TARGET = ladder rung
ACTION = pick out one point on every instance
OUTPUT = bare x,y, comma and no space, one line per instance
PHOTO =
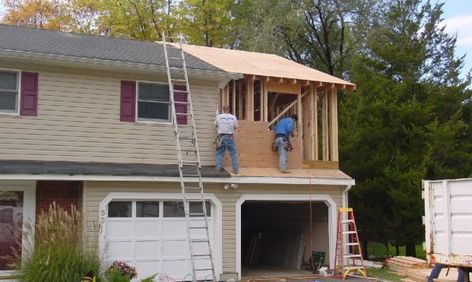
190,175
351,244
349,232
202,269
355,267
199,240
198,227
195,201
196,214
192,187
352,256
175,58
187,137
183,114
201,255
348,221
187,163
178,79
176,68
180,91
180,102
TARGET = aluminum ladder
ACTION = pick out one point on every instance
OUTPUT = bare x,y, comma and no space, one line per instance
189,162
348,261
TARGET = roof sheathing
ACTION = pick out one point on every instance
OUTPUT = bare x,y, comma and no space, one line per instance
259,64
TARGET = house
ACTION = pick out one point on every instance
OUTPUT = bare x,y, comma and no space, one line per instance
85,120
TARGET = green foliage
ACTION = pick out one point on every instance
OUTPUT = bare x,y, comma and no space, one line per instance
57,254
385,274
405,123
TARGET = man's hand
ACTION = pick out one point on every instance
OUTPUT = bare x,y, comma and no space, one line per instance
294,133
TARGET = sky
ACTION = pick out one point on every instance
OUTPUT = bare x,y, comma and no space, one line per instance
457,18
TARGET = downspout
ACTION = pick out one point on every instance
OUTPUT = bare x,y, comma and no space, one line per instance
345,202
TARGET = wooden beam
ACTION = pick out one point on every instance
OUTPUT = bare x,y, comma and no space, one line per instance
261,100
334,125
265,94
240,99
300,115
234,98
325,125
320,165
250,99
267,78
285,88
316,84
281,80
315,124
293,81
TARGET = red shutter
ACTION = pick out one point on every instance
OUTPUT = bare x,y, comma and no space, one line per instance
180,95
128,101
29,94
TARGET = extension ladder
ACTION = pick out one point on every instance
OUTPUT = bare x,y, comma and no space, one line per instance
348,260
189,163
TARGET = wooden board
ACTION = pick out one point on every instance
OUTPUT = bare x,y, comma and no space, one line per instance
287,88
254,146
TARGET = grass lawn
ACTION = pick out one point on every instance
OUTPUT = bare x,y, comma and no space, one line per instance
385,274
379,250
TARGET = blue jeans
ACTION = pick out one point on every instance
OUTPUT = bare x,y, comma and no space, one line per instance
437,270
281,143
227,142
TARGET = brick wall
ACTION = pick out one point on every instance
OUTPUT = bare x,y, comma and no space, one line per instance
64,193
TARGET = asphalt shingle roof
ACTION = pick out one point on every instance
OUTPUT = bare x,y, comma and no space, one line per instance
14,38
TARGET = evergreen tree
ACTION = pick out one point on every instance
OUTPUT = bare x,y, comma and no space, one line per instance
410,100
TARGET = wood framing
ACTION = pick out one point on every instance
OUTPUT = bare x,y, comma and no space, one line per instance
314,100
234,98
325,125
333,124
320,165
287,88
250,99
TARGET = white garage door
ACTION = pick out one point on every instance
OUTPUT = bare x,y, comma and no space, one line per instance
152,236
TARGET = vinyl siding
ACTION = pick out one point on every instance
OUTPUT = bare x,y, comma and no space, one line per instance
79,120
95,192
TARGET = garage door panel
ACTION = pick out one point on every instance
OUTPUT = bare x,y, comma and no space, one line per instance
174,228
147,249
120,229
175,268
146,229
120,249
147,268
174,248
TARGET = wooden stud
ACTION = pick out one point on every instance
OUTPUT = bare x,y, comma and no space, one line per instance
281,80
240,99
261,100
265,95
267,78
315,123
250,99
294,81
285,110
234,97
334,125
317,84
325,125
300,115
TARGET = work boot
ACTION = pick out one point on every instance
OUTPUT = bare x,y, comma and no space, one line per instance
218,169
284,170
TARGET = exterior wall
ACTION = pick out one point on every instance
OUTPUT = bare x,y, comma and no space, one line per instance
63,193
79,120
95,192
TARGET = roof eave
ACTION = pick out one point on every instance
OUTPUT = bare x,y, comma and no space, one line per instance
108,65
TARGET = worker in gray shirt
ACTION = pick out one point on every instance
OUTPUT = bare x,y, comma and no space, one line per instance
226,123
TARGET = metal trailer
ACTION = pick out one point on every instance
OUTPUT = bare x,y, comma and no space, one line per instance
448,222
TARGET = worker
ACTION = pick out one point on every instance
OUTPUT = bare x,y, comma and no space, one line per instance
226,124
437,270
283,130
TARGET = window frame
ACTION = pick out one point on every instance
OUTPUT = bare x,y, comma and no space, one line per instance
149,120
18,93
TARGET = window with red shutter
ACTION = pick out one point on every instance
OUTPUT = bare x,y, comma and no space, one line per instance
29,94
128,101
9,92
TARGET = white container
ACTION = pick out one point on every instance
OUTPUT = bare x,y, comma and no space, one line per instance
448,221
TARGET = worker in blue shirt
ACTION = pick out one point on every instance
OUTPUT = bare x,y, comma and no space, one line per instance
283,130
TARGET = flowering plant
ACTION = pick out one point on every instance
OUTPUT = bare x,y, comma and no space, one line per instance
123,268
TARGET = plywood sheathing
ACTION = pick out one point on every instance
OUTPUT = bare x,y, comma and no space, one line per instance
261,64
254,145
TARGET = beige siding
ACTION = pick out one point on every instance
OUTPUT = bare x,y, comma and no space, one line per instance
79,120
95,192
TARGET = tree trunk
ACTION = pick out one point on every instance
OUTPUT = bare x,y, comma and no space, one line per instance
397,249
411,249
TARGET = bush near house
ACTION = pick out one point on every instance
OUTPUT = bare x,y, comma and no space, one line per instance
58,253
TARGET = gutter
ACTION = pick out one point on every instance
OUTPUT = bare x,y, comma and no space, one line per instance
232,179
109,65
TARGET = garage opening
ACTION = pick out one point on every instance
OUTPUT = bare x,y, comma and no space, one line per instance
278,239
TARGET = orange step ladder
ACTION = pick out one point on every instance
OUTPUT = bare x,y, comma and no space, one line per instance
348,260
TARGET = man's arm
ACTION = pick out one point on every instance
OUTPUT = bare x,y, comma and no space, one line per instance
215,123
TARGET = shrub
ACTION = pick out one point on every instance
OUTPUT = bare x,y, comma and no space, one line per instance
58,254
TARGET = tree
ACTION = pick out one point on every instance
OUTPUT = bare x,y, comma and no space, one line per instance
206,22
48,14
410,99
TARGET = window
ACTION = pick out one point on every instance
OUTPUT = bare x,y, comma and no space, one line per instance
153,102
9,92
119,209
174,209
197,207
11,223
147,209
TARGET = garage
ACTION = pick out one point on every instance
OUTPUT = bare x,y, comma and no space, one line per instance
276,236
150,234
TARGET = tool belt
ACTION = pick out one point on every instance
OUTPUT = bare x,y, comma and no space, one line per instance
287,147
219,139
